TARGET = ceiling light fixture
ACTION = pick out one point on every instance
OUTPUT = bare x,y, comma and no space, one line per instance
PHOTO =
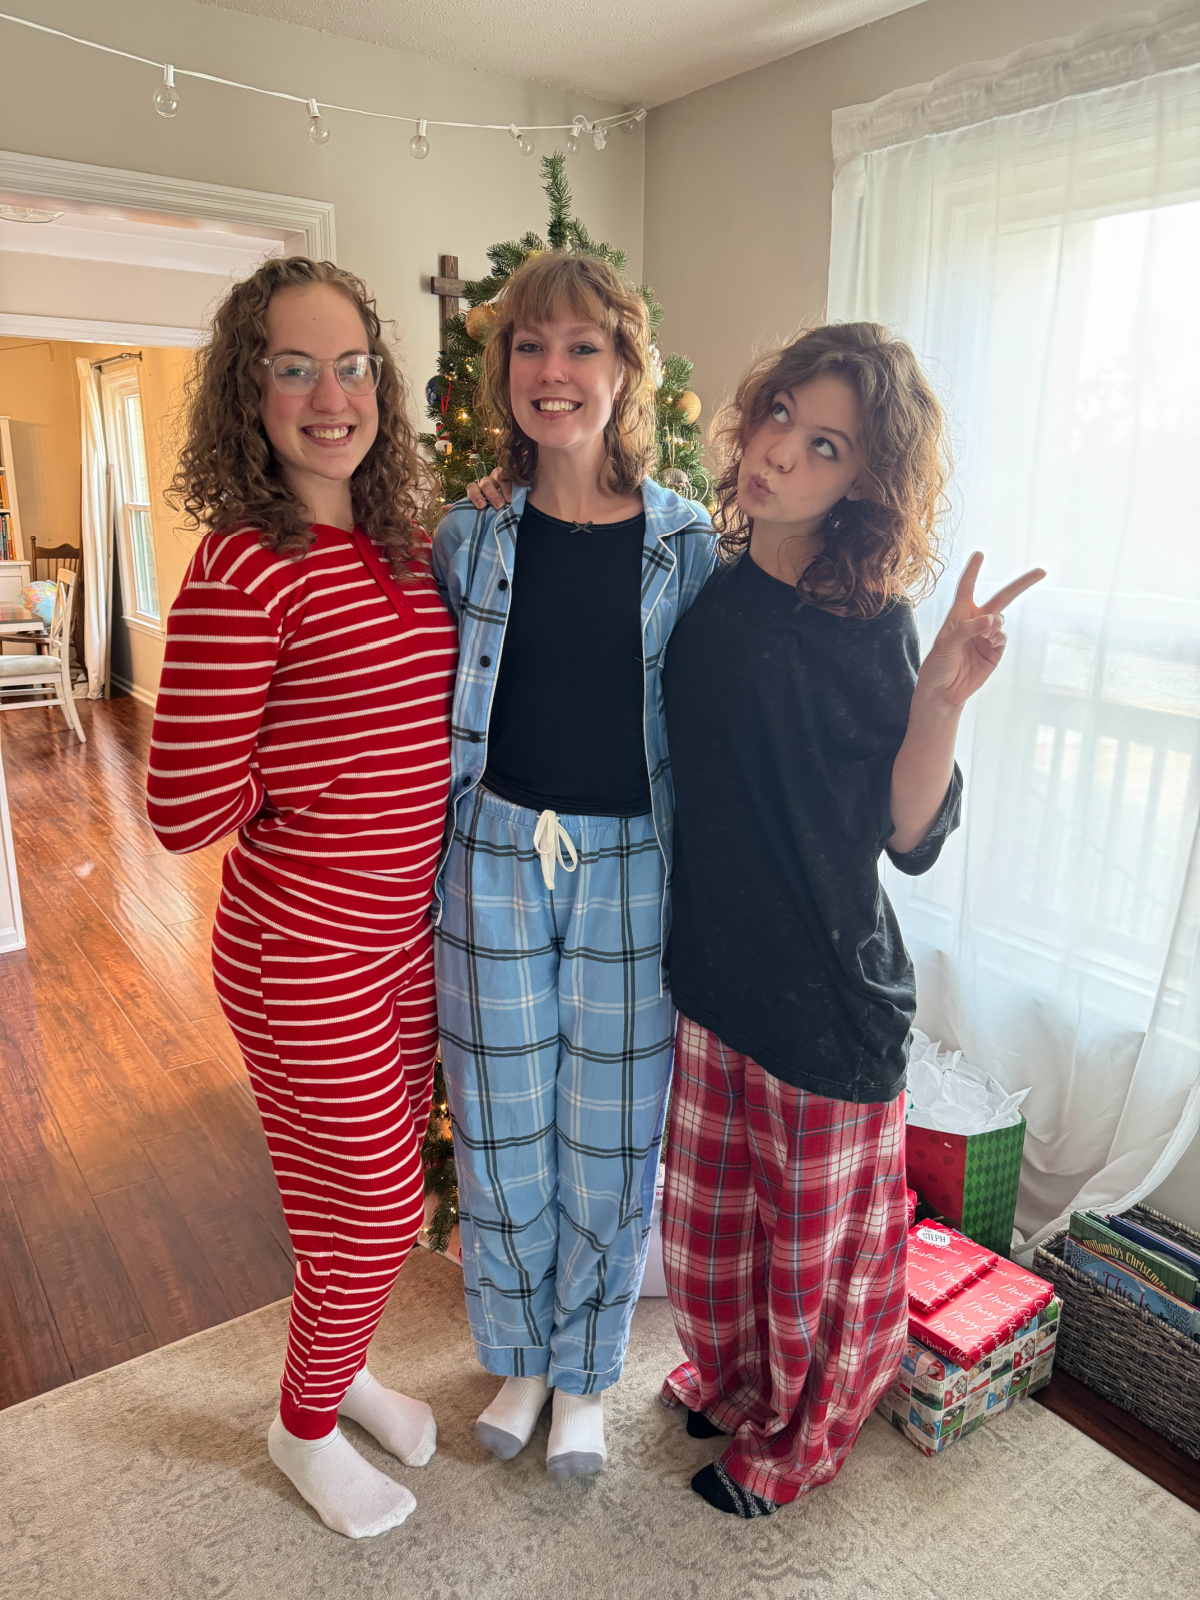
28,214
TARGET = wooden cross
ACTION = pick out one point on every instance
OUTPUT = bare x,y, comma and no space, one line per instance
449,287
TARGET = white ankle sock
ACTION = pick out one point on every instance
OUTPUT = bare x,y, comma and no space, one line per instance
576,1445
404,1426
344,1490
504,1428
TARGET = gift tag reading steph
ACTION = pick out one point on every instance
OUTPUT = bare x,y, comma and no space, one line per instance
934,1236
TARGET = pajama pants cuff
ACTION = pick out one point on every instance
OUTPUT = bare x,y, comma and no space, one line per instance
534,1361
302,1423
760,1480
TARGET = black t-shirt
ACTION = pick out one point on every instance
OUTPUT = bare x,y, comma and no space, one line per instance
783,723
566,727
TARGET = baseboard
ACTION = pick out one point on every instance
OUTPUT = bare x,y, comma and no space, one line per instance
135,691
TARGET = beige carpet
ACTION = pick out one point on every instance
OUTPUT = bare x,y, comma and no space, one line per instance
151,1482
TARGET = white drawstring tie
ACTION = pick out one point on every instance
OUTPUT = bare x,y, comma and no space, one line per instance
549,836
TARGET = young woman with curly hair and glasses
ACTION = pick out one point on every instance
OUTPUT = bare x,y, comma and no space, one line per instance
304,703
806,738
556,1025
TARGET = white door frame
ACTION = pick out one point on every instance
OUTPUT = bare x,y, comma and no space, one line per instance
47,178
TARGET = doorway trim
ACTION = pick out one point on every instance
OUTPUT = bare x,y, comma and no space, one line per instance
77,330
179,197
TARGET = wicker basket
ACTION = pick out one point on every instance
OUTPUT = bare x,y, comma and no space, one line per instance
1135,1360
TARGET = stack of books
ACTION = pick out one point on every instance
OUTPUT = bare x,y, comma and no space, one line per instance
7,553
1139,1264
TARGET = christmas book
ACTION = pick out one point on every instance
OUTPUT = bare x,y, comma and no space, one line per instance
1156,1267
941,1262
1189,1260
1121,1280
984,1315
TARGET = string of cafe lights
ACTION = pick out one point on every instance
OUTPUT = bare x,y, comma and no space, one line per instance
167,103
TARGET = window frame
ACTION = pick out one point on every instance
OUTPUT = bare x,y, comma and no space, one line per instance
117,388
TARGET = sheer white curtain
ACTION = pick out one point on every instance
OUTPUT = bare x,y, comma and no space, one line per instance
1033,228
96,524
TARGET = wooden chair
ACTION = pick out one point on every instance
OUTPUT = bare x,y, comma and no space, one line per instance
49,673
61,558
54,559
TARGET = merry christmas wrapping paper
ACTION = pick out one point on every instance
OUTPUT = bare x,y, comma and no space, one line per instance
982,1316
941,1262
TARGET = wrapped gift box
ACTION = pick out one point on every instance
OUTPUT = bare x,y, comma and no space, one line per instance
983,1316
934,1401
941,1262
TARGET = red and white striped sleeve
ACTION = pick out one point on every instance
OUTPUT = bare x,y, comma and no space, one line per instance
221,651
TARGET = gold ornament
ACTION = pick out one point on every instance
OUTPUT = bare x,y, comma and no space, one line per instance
689,405
480,320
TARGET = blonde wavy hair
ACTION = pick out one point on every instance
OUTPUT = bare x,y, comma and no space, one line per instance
544,290
227,476
885,545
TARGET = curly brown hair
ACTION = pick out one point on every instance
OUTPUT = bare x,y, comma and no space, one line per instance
227,476
885,545
541,291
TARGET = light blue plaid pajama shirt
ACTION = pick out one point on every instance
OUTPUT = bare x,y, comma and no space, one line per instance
555,1021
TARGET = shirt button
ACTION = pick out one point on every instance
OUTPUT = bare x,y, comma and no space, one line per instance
485,661
503,584
475,738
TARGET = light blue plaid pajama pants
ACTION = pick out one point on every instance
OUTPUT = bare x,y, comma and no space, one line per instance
556,1050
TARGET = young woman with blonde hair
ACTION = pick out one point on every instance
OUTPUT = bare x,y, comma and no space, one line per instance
556,1026
304,702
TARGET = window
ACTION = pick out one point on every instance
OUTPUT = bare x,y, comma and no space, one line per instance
126,440
1032,227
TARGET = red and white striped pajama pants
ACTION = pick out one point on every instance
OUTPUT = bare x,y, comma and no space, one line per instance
339,1045
784,1229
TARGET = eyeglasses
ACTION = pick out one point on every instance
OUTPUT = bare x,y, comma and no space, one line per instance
301,374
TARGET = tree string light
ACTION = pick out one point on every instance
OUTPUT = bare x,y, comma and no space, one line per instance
166,103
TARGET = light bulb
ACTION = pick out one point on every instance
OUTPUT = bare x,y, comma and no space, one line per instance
599,138
638,116
418,145
166,100
525,145
572,144
317,131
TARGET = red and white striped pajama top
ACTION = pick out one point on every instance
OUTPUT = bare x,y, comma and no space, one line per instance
306,704
296,707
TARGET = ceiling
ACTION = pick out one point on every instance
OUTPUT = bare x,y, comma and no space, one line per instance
92,233
635,52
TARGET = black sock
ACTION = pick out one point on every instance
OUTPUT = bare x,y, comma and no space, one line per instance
716,1486
699,1427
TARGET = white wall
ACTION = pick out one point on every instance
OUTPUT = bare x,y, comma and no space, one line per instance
105,291
394,215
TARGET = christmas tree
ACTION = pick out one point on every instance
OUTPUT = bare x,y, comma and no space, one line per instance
462,443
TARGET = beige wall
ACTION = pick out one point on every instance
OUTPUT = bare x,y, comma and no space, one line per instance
739,176
39,390
394,215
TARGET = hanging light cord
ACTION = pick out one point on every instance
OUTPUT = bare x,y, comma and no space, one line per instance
617,120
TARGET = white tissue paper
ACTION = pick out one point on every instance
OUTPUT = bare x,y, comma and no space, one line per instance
949,1095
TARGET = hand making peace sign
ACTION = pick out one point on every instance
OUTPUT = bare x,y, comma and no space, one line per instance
971,641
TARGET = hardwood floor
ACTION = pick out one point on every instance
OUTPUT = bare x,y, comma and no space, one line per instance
137,1203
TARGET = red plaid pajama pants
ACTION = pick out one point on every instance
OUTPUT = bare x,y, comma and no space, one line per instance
784,1226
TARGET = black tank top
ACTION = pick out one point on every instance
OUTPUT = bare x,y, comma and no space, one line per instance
566,728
